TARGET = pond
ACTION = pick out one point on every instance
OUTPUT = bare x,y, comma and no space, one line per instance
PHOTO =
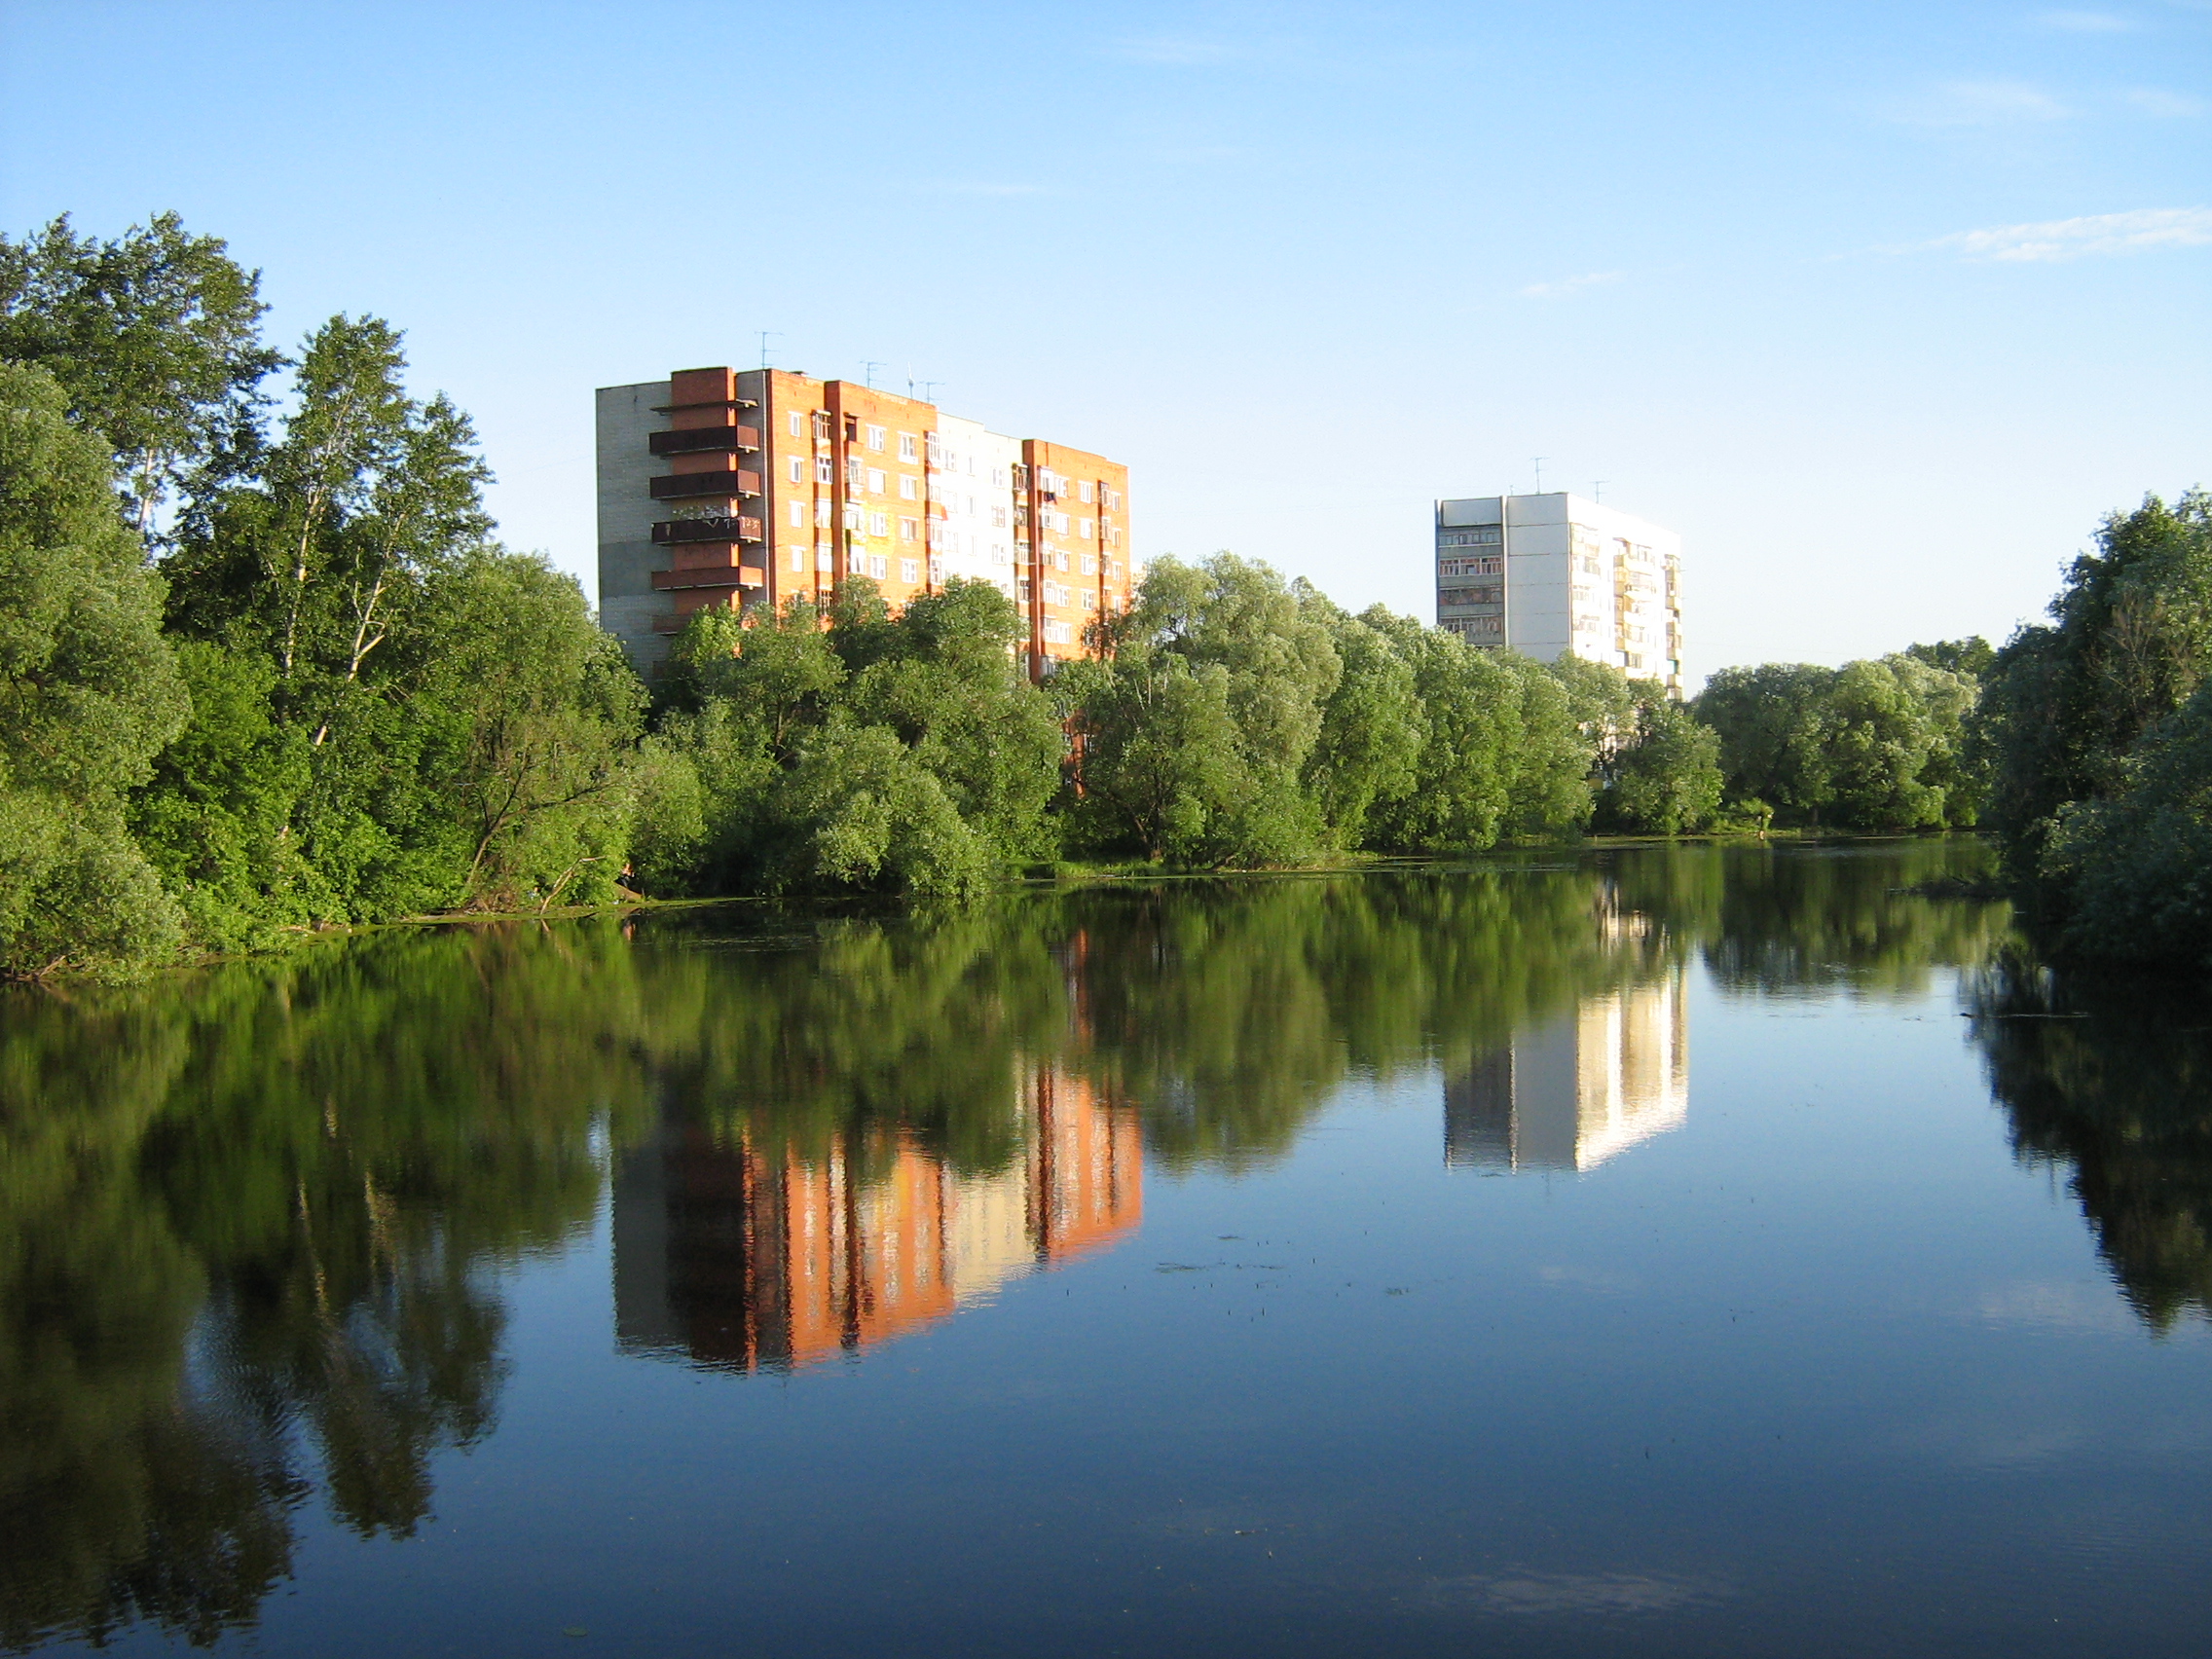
1639,1251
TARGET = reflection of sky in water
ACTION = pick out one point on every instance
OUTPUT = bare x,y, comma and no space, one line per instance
1175,1334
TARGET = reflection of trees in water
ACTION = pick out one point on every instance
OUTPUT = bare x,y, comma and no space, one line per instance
1841,918
249,1220
2111,1079
245,1230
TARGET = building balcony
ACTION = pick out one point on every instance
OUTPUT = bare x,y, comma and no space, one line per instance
730,576
695,440
723,527
681,484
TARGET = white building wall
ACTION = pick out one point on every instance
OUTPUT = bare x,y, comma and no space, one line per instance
1574,576
627,511
972,476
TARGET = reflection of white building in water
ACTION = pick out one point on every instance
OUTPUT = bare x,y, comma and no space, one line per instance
1578,1090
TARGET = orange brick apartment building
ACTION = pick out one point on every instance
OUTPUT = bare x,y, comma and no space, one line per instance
740,488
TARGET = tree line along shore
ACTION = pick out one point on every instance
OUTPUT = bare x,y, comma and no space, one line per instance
265,668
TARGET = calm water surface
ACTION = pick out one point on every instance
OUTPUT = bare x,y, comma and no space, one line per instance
1654,1252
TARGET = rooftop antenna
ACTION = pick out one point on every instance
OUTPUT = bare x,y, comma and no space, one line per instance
766,335
867,373
928,390
1539,488
1598,489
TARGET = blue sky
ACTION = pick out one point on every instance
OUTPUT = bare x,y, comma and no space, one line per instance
1880,305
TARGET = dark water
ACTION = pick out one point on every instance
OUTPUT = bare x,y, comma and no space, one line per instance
1670,1252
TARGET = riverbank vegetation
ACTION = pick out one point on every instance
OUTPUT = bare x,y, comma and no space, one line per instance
265,668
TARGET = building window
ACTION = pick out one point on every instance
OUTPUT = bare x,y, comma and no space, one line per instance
879,524
1484,535
936,570
998,553
876,483
909,486
825,470
1058,633
796,468
798,558
1023,584
906,450
825,559
821,426
909,530
910,569
1083,528
798,515
998,518
855,519
1083,491
1090,602
1060,559
854,472
879,565
1091,564
795,423
875,438
822,515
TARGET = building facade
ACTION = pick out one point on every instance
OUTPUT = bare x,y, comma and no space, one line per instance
733,488
1554,576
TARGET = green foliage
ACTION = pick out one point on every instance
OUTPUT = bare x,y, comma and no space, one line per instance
851,750
1972,657
1198,723
1666,774
154,337
1371,728
88,694
1501,752
2129,641
400,717
1874,744
2135,865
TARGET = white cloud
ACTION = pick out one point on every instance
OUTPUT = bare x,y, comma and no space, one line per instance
979,187
2087,23
1171,50
1980,103
2053,239
2172,105
1566,286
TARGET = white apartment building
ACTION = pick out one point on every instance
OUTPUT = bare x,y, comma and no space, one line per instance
971,471
1554,575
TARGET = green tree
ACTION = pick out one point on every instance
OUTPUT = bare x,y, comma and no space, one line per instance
1461,796
2129,641
1664,778
154,337
2133,867
88,694
1370,727
1229,654
1772,722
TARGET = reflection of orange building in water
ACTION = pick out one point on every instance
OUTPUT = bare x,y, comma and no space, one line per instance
736,1256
